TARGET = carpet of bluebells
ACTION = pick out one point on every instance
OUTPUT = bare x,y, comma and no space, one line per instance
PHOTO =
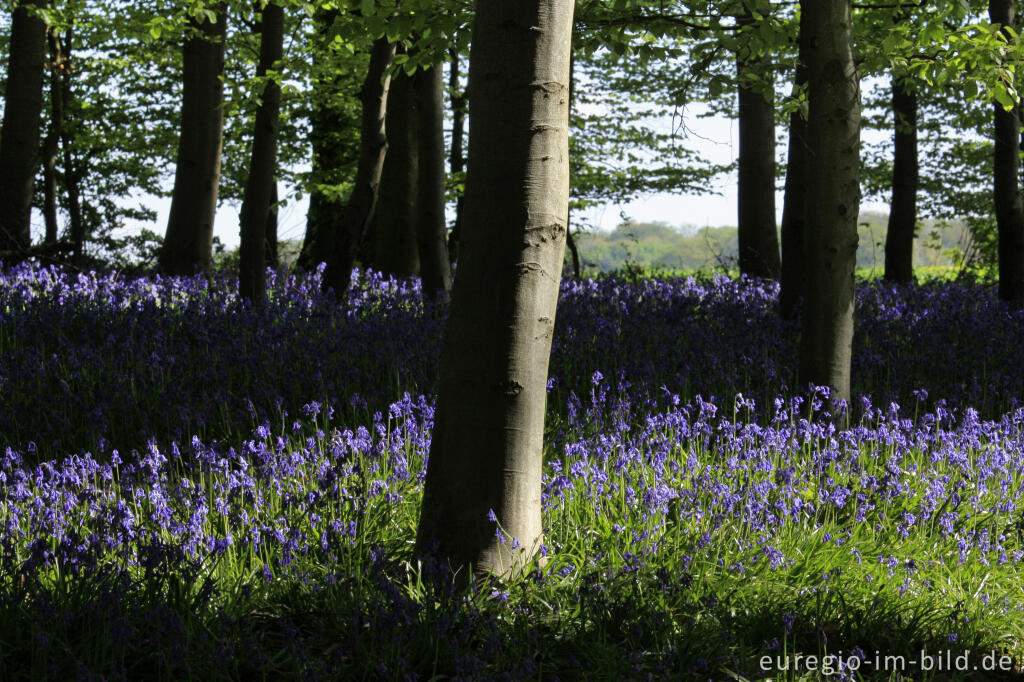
194,488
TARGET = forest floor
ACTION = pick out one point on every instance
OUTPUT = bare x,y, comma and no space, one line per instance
193,488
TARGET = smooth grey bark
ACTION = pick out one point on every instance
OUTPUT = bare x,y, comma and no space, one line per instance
758,239
395,224
486,452
19,135
259,186
899,237
1005,188
188,243
373,145
833,197
428,90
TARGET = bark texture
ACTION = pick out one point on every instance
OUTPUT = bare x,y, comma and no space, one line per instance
373,145
486,452
428,87
899,237
397,243
833,201
758,239
1005,189
19,136
259,186
188,244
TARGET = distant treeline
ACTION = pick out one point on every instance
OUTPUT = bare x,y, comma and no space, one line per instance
663,246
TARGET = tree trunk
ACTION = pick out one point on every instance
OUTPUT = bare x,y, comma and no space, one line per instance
188,244
19,136
259,187
833,201
486,452
73,171
73,186
457,160
794,209
1005,190
397,245
58,63
758,239
899,238
273,260
373,146
324,211
428,89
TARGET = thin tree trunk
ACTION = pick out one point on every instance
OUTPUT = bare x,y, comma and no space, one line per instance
51,145
397,244
73,186
794,204
428,89
373,146
570,241
324,211
486,451
73,171
457,160
833,189
19,136
272,257
188,244
899,238
259,187
758,239
1005,189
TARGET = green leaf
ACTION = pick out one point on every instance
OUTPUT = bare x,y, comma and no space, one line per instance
1000,95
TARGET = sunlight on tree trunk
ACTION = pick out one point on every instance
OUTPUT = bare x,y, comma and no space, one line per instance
481,505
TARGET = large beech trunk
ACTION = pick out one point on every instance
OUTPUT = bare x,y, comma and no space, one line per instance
428,88
1005,189
833,197
19,136
259,187
486,452
758,239
395,224
899,237
188,244
373,146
